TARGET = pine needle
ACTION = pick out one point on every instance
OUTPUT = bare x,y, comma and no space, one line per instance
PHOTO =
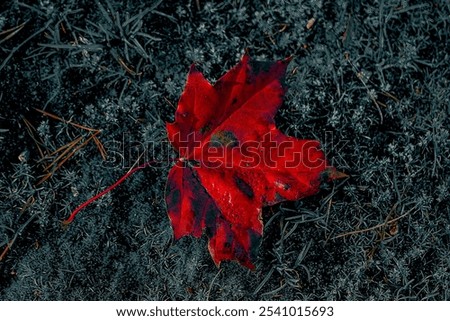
68,150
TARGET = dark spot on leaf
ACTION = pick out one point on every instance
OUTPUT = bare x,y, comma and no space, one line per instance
234,101
211,219
193,163
173,198
223,138
278,197
205,128
227,245
197,207
244,187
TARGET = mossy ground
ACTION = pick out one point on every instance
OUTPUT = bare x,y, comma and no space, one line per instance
371,81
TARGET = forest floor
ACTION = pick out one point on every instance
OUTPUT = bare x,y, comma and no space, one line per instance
86,86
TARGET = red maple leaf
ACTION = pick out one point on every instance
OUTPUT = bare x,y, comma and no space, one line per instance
233,160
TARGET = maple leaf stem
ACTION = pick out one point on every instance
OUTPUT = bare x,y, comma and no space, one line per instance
108,189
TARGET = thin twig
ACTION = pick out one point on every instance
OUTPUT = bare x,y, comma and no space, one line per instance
96,197
371,228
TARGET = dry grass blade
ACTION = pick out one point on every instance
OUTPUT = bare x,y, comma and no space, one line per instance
30,201
31,130
389,95
20,230
170,103
365,81
382,225
12,31
128,69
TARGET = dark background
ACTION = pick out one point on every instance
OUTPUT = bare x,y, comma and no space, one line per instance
371,81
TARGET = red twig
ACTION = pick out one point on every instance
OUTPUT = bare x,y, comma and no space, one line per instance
110,188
